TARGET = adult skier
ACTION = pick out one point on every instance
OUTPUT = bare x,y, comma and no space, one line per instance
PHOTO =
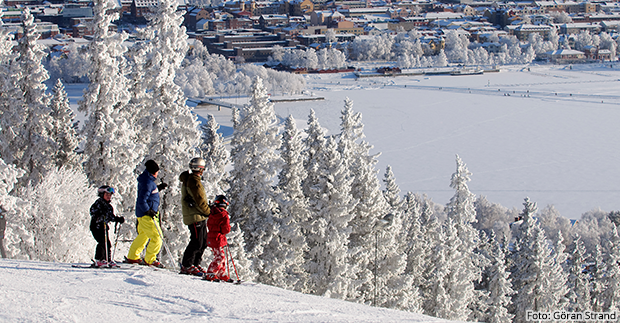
195,208
219,226
101,213
147,212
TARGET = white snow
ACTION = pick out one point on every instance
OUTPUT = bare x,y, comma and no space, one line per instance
32,291
544,131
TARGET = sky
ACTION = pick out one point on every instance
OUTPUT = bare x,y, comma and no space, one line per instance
32,291
547,132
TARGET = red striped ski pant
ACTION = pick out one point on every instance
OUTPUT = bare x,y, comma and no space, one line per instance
218,265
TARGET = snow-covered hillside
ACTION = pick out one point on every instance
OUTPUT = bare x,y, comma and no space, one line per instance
33,291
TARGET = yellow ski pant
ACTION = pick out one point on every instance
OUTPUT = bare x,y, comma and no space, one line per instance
148,229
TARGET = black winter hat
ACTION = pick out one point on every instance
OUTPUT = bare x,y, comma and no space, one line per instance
151,166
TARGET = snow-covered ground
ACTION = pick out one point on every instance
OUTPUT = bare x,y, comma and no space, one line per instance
33,291
545,132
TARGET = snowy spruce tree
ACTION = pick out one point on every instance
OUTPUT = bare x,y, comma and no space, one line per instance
31,147
167,126
216,157
63,131
7,98
462,212
110,150
371,207
255,166
611,293
538,278
327,187
499,285
293,213
451,287
578,281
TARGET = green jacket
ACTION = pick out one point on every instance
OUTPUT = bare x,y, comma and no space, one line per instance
192,186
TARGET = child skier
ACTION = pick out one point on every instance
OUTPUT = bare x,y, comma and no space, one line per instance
218,225
101,213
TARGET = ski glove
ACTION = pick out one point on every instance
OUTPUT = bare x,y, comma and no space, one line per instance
119,219
151,213
162,186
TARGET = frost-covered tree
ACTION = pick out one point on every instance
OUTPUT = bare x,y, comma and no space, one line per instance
8,119
216,157
456,47
371,207
451,289
240,263
440,60
17,240
59,222
71,65
598,273
611,294
168,128
460,209
327,187
499,285
538,278
63,131
255,166
111,152
578,281
294,213
31,147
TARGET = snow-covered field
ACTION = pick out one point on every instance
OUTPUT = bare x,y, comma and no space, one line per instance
33,291
545,132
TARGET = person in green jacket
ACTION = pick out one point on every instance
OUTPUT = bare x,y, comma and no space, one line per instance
195,208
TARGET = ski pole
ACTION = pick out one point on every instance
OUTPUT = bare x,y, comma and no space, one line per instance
116,231
107,245
161,235
233,262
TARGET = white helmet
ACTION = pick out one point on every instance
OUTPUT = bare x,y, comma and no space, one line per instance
197,164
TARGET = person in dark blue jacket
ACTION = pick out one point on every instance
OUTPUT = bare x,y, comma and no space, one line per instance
147,212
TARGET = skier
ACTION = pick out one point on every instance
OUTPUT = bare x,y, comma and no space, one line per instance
147,212
195,208
101,213
219,226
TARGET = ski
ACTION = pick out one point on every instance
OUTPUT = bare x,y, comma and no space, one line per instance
93,266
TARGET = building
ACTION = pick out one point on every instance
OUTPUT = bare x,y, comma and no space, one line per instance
523,31
249,46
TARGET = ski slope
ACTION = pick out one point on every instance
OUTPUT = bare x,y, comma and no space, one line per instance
32,291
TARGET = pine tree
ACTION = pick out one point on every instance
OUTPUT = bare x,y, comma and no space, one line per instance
462,212
31,145
63,131
110,148
578,281
255,166
371,206
598,280
539,280
499,286
611,294
451,287
327,188
7,88
294,212
216,157
169,129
